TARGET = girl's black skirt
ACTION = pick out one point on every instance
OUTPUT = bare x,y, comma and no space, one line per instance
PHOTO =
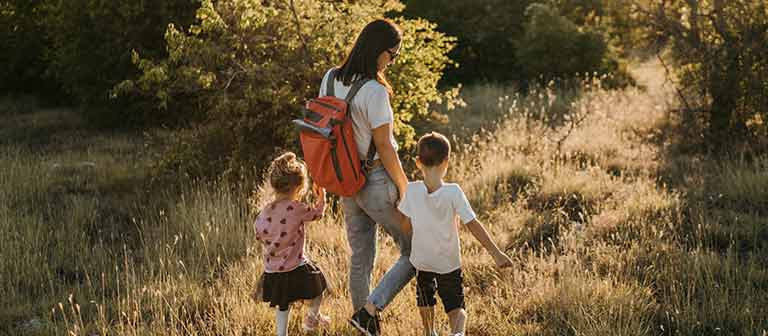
305,282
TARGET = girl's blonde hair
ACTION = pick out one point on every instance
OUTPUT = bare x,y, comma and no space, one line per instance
286,172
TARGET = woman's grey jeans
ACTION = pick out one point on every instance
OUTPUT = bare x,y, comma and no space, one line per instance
375,204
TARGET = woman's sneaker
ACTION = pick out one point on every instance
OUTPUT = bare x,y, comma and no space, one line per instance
365,323
313,322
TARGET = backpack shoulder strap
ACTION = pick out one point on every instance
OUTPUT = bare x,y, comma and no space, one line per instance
371,152
356,86
329,83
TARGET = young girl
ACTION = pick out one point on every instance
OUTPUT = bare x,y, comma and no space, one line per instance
289,276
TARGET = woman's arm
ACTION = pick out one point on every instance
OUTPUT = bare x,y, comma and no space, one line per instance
405,225
389,157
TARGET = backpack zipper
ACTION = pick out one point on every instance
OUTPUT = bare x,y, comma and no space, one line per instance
332,107
335,160
349,157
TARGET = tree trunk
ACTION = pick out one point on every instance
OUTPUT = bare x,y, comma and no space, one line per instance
724,91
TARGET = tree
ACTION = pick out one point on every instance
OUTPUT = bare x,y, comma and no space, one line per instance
554,47
242,71
718,48
614,17
493,34
22,58
89,44
486,31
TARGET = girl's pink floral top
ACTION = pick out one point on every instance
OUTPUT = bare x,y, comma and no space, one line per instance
280,227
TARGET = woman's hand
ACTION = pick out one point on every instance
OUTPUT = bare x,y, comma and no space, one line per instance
389,158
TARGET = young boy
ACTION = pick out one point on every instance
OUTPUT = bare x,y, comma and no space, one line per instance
431,208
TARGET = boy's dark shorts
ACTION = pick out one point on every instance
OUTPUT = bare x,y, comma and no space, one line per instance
448,286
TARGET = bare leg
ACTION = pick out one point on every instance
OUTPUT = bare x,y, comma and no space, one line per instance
314,305
457,318
314,318
371,308
428,319
282,321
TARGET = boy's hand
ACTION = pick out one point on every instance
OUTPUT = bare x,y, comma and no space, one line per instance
502,260
478,230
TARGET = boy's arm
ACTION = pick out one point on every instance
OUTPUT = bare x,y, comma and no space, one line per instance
478,230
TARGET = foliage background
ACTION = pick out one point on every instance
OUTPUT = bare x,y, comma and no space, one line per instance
79,49
503,41
629,210
718,50
242,72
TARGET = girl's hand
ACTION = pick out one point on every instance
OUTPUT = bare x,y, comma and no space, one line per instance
502,260
319,191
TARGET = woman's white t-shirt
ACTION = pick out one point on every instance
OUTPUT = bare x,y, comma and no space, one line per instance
435,241
370,109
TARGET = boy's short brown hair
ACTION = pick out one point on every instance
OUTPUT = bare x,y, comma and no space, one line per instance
433,149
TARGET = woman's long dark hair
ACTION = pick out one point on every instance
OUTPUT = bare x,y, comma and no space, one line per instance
361,62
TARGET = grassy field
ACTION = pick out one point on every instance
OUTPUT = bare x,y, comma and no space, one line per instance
615,228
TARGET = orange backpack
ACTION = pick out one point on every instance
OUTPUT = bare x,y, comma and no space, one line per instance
328,141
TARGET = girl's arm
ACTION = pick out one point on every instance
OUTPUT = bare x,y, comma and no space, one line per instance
317,212
389,157
478,230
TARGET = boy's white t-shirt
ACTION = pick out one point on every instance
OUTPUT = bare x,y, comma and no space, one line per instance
370,109
435,241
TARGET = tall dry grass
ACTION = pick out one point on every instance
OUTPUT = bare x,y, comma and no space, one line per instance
602,245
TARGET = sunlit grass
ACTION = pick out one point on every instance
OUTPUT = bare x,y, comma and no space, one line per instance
601,246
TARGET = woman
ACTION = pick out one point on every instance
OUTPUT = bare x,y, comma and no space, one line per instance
376,48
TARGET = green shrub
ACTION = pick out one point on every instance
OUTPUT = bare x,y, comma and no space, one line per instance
491,33
612,16
90,50
243,70
486,32
719,49
22,57
555,47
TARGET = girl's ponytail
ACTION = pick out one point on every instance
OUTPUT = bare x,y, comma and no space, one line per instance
286,172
